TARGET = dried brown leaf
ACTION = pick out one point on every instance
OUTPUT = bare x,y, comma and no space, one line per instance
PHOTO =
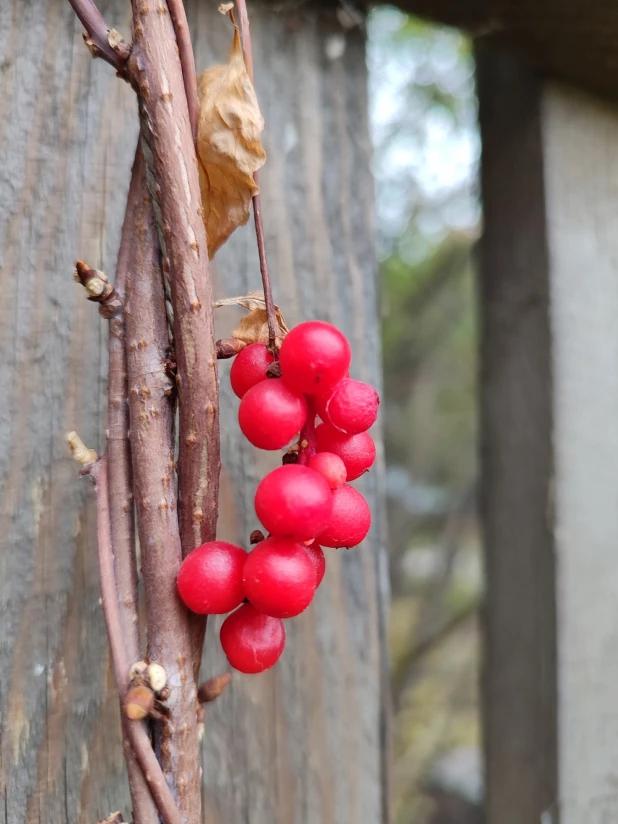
253,327
228,146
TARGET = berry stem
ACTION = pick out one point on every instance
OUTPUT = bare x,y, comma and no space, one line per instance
307,435
271,318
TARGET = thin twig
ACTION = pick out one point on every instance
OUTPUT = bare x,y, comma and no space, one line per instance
152,449
137,734
98,31
271,318
187,59
118,447
121,499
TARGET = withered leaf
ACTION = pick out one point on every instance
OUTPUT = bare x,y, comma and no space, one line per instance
228,146
253,327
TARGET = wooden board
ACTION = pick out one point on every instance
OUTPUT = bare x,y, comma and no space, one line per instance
305,743
580,140
519,678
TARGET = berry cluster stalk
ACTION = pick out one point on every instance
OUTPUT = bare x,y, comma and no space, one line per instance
271,318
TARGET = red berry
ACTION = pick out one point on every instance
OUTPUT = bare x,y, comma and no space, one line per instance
312,355
293,501
253,642
249,367
330,466
314,550
358,452
351,407
279,578
270,414
350,521
210,578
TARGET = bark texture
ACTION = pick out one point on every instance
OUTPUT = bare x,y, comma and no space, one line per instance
304,744
152,449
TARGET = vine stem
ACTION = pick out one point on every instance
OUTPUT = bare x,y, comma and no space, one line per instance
271,318
122,521
187,59
135,731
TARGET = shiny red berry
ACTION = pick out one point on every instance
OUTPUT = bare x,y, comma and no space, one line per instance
351,406
314,550
279,578
270,414
330,466
210,578
293,501
252,641
350,520
249,367
358,452
312,355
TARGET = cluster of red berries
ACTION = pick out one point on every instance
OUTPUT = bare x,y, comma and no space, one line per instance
303,505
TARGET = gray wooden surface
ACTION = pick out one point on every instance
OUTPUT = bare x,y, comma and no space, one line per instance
304,743
580,140
519,678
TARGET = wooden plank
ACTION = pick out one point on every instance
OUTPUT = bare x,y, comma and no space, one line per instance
581,172
305,743
519,680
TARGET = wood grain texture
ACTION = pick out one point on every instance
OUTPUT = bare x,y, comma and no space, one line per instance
581,169
567,40
305,743
519,683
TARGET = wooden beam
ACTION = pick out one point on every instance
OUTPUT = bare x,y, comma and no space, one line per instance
549,400
568,40
580,146
519,680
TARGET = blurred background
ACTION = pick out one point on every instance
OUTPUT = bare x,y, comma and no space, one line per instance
427,146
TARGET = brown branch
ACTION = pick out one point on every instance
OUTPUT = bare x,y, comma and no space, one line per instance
121,499
118,447
102,41
152,448
187,59
174,187
271,317
138,737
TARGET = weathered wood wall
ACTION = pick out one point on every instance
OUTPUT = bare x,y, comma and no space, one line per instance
304,743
